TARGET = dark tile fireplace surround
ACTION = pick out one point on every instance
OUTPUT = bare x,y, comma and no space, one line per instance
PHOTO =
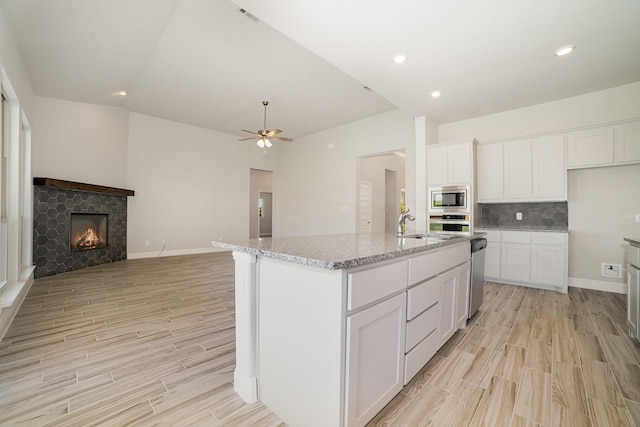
55,203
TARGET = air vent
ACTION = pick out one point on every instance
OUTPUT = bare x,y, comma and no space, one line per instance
248,15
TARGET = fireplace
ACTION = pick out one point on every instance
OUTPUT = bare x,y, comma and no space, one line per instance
88,231
77,225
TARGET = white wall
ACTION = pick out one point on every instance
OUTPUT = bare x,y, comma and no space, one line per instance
602,207
80,142
596,232
13,65
316,186
619,103
191,185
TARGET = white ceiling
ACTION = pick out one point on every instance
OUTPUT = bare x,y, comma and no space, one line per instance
204,63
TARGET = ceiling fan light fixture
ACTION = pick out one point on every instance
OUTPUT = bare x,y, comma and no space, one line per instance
268,143
260,143
399,59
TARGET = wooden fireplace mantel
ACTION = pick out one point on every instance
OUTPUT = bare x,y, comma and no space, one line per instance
70,185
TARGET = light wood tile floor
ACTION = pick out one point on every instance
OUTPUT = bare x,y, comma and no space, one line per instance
151,342
529,357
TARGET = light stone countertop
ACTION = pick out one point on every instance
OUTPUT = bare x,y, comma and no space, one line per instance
634,241
336,251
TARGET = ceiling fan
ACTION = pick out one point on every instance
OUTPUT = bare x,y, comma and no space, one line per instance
264,135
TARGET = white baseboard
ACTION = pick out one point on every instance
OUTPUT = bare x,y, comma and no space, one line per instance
598,285
155,254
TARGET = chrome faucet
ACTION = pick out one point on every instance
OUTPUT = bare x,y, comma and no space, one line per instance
401,219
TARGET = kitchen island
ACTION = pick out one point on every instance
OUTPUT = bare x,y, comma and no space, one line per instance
330,328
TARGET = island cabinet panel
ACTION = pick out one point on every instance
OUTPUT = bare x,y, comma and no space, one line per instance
463,283
422,297
301,324
367,286
425,266
447,325
375,358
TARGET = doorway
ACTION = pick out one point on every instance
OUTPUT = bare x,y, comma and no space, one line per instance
261,211
385,175
264,209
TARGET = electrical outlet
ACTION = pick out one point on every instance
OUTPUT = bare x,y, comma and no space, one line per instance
518,216
611,270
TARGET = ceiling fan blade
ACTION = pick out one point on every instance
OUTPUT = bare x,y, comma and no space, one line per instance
273,132
251,132
280,138
247,139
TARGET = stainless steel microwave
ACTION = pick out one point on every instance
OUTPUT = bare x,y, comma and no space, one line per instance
449,199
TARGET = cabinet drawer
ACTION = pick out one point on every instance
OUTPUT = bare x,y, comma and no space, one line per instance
421,326
422,297
367,286
426,266
419,356
548,238
516,237
633,255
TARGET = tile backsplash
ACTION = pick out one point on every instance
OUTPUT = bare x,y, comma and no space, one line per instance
543,216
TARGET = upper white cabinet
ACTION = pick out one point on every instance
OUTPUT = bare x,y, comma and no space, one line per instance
548,168
517,170
523,171
490,172
450,164
627,147
591,147
604,146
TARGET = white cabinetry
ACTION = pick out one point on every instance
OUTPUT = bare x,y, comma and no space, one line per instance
490,172
548,258
604,146
524,171
447,325
517,170
590,147
539,259
515,253
548,168
450,164
375,358
627,147
492,254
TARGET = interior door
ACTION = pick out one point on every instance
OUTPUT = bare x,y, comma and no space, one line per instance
265,208
364,222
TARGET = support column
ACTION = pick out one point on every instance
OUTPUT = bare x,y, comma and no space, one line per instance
245,375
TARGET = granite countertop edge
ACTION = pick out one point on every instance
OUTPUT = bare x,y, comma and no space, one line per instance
328,263
634,241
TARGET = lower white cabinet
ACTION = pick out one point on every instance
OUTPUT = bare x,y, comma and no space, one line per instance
375,358
447,326
514,261
532,258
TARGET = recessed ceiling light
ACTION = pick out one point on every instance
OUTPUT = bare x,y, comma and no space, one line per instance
435,94
123,93
399,59
565,50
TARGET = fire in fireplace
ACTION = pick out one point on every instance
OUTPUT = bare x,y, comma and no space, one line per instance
88,231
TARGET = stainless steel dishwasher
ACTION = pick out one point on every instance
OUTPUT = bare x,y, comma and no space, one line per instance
477,274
